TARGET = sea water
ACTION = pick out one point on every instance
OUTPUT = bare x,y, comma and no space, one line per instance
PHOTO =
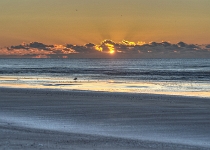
189,77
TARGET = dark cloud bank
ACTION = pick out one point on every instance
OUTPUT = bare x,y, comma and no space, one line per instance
107,49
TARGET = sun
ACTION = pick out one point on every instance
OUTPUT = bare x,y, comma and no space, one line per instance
111,51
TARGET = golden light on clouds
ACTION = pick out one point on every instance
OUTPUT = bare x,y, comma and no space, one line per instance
110,47
128,43
98,48
124,49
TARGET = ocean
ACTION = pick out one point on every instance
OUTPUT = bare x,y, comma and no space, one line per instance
186,77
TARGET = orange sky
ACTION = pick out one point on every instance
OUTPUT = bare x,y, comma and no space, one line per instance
84,21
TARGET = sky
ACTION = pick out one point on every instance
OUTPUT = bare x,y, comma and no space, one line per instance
79,22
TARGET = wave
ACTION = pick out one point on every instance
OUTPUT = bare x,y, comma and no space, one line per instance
199,75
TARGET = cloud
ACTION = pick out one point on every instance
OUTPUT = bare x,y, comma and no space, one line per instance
37,45
166,44
108,49
181,44
18,47
208,46
90,45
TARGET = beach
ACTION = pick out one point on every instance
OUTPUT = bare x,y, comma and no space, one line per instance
53,119
105,75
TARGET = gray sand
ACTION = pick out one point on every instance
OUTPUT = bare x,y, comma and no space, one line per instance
44,119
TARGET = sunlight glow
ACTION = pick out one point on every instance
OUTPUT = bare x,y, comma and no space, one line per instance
110,47
128,43
141,43
98,48
111,51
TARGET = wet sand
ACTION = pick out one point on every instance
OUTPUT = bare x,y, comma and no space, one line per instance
50,119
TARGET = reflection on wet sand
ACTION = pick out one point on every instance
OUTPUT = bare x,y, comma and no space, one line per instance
166,88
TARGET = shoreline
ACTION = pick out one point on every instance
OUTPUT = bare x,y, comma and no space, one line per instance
192,89
60,90
151,121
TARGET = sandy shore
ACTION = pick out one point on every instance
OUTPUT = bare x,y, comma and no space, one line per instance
47,119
